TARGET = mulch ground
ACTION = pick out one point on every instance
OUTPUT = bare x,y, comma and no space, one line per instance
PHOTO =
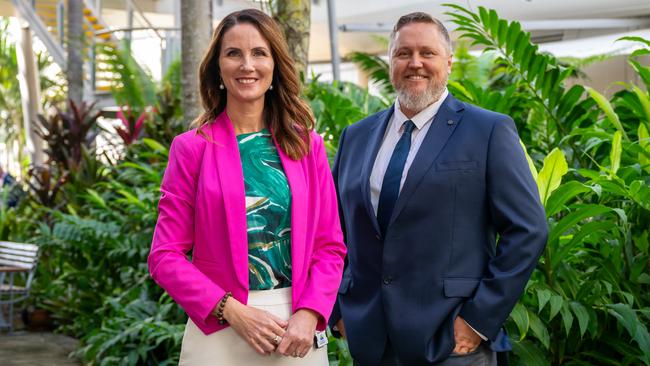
35,349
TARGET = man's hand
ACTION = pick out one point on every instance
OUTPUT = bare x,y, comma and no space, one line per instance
299,337
466,338
341,326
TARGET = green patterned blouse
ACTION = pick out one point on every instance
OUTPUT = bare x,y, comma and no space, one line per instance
268,212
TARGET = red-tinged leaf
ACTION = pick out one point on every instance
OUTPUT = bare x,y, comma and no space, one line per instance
140,121
122,118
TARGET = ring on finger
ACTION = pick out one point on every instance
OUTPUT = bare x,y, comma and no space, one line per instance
277,339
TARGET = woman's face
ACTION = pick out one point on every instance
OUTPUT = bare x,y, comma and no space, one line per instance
246,63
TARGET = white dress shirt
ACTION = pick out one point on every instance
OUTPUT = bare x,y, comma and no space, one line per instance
393,133
422,121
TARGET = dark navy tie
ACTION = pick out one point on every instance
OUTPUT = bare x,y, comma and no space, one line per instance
393,177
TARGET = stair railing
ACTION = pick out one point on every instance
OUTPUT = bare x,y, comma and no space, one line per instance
60,21
26,11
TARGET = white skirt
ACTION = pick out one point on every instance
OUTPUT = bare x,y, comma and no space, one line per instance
226,347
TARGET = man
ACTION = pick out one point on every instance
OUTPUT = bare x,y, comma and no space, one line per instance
425,188
9,189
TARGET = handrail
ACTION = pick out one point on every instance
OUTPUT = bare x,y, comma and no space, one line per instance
60,21
144,17
97,14
126,29
55,49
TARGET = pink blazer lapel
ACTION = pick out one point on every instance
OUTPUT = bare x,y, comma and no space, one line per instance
295,176
231,177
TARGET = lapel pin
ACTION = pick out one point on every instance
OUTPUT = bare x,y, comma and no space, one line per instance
450,122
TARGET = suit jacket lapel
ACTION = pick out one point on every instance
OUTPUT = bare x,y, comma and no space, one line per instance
443,126
231,177
375,138
293,170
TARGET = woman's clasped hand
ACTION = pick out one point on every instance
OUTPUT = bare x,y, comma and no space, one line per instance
266,333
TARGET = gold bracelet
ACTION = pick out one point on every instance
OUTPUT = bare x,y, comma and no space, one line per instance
221,306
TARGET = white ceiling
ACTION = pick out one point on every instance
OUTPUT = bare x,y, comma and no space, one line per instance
389,11
371,12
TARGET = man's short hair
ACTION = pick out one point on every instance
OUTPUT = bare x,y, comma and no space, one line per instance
420,17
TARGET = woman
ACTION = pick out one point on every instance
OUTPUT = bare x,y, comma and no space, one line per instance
250,192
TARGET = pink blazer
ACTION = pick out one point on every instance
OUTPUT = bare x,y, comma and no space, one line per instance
202,208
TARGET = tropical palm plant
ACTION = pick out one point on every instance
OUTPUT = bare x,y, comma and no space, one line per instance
130,85
11,116
338,105
587,303
554,111
377,69
10,105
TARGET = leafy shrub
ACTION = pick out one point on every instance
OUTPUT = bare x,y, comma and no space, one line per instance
338,105
586,303
94,278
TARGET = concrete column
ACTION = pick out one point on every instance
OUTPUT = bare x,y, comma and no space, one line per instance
30,92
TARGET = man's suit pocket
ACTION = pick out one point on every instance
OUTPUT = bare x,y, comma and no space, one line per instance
481,356
460,287
468,354
456,165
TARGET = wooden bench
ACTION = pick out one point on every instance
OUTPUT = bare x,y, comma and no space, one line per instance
17,267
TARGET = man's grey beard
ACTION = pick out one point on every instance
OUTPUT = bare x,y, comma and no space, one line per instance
419,101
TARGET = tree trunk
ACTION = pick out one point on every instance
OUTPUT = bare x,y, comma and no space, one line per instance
196,28
294,17
74,70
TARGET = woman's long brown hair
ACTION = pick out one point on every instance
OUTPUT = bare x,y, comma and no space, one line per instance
287,116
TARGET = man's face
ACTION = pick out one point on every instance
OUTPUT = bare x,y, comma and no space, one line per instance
419,66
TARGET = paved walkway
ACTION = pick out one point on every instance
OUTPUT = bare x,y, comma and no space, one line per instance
36,349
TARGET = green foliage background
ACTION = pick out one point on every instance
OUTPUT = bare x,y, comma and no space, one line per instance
587,302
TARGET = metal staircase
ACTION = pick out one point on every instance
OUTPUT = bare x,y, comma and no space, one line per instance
48,21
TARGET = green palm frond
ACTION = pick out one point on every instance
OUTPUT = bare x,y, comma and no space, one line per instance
643,71
377,69
579,63
540,75
539,72
130,85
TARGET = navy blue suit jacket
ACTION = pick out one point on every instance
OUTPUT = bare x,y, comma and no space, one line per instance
13,190
469,183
